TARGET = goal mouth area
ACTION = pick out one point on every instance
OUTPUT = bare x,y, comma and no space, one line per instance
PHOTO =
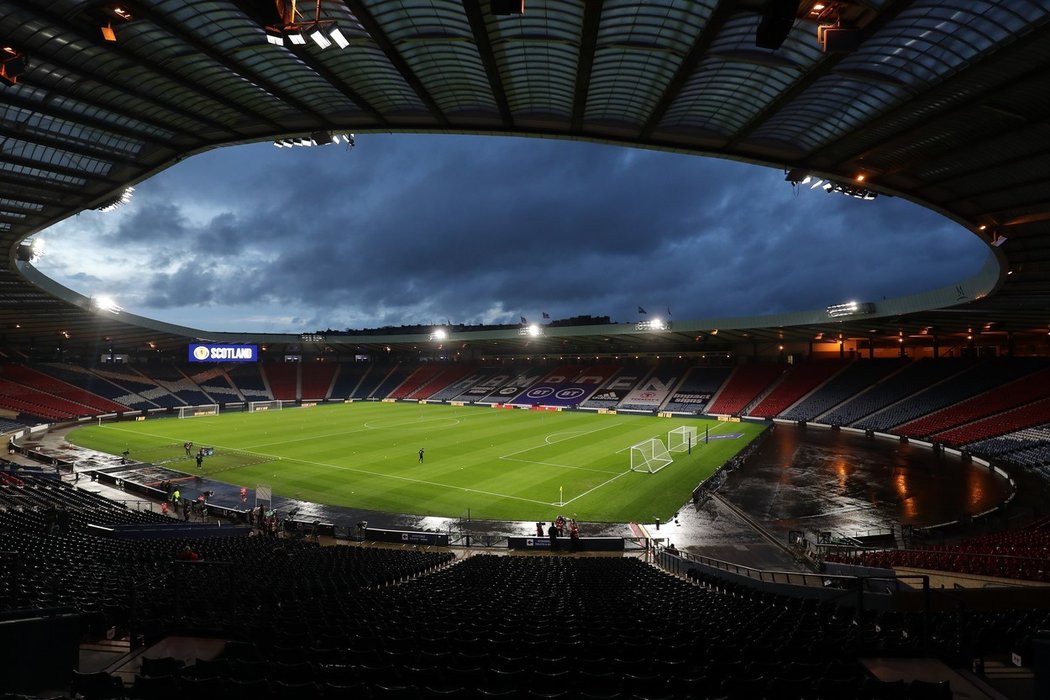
649,456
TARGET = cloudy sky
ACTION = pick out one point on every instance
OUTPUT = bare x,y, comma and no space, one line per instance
424,229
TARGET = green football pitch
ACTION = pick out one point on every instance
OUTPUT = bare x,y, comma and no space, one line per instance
498,464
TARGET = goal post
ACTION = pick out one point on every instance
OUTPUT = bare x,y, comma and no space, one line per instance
681,439
649,456
256,406
209,409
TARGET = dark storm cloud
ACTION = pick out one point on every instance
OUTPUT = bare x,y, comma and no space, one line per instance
416,229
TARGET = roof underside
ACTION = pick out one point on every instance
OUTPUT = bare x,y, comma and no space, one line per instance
946,103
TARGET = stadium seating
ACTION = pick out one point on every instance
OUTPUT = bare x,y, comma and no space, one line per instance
996,400
214,382
139,385
23,399
1022,554
689,395
956,388
28,376
744,386
1022,417
660,377
449,376
283,378
391,381
248,380
454,389
417,379
92,382
347,377
911,379
317,379
856,377
171,377
797,382
368,386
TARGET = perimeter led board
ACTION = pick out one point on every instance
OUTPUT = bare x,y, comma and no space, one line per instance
223,353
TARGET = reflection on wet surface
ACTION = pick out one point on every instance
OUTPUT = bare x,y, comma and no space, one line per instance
799,479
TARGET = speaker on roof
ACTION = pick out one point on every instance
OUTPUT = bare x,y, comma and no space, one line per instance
507,7
777,18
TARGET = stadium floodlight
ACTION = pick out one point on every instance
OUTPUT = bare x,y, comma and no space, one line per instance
320,39
439,334
655,324
106,303
297,38
121,199
274,37
533,330
337,36
850,308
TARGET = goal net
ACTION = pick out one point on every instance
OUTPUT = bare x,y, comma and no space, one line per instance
211,409
649,456
254,406
681,439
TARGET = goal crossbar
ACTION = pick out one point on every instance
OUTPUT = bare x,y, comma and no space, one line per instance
650,456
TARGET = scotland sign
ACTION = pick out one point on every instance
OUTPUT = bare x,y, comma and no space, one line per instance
223,353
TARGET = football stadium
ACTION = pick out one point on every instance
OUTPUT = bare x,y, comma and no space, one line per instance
847,501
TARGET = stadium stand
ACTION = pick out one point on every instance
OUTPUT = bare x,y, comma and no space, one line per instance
856,377
796,383
954,389
1022,417
248,380
347,377
997,400
366,388
23,399
92,382
1018,440
215,383
419,377
743,386
650,393
171,378
391,381
317,379
28,376
696,389
474,378
7,425
283,379
910,380
1019,554
448,377
138,384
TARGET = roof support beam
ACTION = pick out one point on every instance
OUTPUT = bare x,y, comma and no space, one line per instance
687,67
592,19
379,36
488,59
71,31
884,16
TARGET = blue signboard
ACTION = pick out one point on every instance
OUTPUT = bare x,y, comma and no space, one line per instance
200,352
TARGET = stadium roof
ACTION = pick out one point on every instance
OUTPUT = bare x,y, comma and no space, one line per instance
943,102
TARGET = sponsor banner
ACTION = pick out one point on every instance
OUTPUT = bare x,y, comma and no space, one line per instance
651,392
407,537
457,403
308,404
556,394
389,400
690,398
210,352
458,387
728,419
606,411
502,387
617,389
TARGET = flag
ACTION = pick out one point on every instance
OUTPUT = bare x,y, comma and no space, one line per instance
546,316
524,320
668,310
641,310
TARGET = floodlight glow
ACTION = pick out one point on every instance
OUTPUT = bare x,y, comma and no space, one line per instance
337,36
849,308
439,334
655,324
275,38
534,330
320,39
106,303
